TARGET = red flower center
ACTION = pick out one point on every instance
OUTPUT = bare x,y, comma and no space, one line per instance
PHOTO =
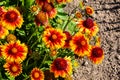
60,64
88,23
88,10
80,42
11,16
97,52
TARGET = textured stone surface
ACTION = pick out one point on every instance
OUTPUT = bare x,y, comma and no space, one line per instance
107,15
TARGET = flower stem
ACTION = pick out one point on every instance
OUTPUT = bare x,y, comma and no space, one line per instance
1,43
43,60
40,38
69,20
32,35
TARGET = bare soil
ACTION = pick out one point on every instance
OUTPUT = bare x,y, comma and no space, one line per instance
107,15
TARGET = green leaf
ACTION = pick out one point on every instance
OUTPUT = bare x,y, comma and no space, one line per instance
62,15
0,75
25,76
21,32
41,28
48,62
61,6
28,3
2,3
9,77
71,27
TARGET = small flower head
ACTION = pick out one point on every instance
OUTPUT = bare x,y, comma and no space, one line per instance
49,8
37,74
96,55
61,67
78,14
41,18
54,38
14,51
79,44
88,26
11,37
3,32
12,19
89,10
41,2
13,68
34,9
53,52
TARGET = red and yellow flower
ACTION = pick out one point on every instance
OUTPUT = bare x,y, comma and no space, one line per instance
53,52
13,68
2,11
3,32
41,2
37,74
80,45
34,9
96,55
11,37
41,18
12,19
54,38
14,51
88,26
68,38
61,67
89,10
78,14
49,9
63,1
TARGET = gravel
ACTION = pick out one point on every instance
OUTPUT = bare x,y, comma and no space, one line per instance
107,15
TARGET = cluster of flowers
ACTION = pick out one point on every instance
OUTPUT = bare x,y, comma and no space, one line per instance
47,51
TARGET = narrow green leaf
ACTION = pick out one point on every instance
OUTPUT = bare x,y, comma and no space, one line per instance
62,15
21,32
81,4
2,3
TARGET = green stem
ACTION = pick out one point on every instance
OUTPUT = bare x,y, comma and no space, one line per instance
69,20
1,43
43,60
32,35
36,41
22,2
27,61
